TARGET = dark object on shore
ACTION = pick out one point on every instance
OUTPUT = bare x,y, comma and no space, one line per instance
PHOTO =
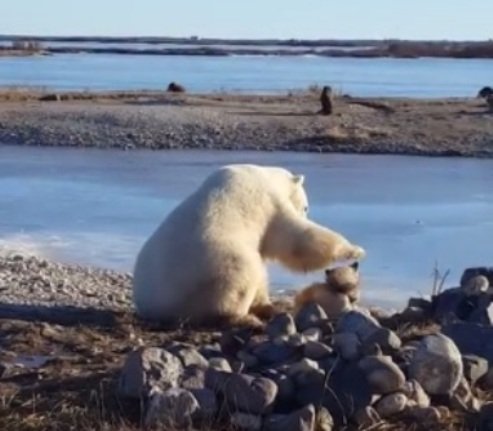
326,101
173,87
489,101
52,97
380,106
485,92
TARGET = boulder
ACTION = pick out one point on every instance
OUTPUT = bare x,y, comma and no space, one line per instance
281,324
475,368
347,344
146,369
470,273
416,394
359,323
476,285
221,364
391,405
171,409
246,421
382,374
300,420
188,355
471,338
310,316
274,351
316,350
242,392
437,365
486,417
208,404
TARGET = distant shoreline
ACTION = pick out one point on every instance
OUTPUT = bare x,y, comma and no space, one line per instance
224,47
160,120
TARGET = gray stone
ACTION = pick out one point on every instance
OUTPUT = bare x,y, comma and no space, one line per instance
359,323
382,374
207,400
285,385
310,316
471,338
391,405
273,352
476,285
211,351
316,350
386,339
437,365
193,377
451,303
487,380
366,417
475,367
149,368
242,392
281,324
300,420
246,421
324,420
248,359
296,341
470,273
221,364
424,304
483,313
416,394
347,344
174,408
189,356
312,334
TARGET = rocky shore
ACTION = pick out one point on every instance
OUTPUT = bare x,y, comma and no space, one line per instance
73,356
157,120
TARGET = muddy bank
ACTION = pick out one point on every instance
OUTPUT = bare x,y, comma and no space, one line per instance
74,358
448,127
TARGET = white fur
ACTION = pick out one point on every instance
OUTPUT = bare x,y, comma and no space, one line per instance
207,259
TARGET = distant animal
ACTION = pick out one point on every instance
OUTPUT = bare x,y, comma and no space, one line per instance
173,87
336,294
326,101
489,101
485,92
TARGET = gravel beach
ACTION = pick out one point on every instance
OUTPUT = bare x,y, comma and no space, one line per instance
449,127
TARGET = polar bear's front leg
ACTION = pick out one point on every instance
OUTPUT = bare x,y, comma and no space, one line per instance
303,245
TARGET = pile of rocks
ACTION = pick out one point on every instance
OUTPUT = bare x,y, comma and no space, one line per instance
308,372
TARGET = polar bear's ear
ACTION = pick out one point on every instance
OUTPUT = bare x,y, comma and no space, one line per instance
299,179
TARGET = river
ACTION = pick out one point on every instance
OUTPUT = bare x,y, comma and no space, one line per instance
425,77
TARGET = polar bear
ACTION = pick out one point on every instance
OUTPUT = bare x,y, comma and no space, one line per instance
207,260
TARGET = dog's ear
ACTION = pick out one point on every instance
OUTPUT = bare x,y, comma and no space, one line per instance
328,272
355,266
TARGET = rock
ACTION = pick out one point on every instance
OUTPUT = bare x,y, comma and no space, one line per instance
149,368
452,303
235,340
312,334
207,400
486,417
487,380
471,338
437,365
424,304
173,408
50,97
281,324
248,359
303,366
273,352
366,417
347,345
309,380
316,350
285,385
359,323
483,312
386,339
416,394
476,285
211,351
475,367
310,316
193,377
382,374
391,405
324,420
245,421
300,420
296,341
220,364
242,392
189,355
470,273
174,87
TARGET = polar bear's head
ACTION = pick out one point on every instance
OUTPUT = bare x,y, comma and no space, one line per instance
298,196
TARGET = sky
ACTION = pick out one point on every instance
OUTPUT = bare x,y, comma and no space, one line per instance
310,19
